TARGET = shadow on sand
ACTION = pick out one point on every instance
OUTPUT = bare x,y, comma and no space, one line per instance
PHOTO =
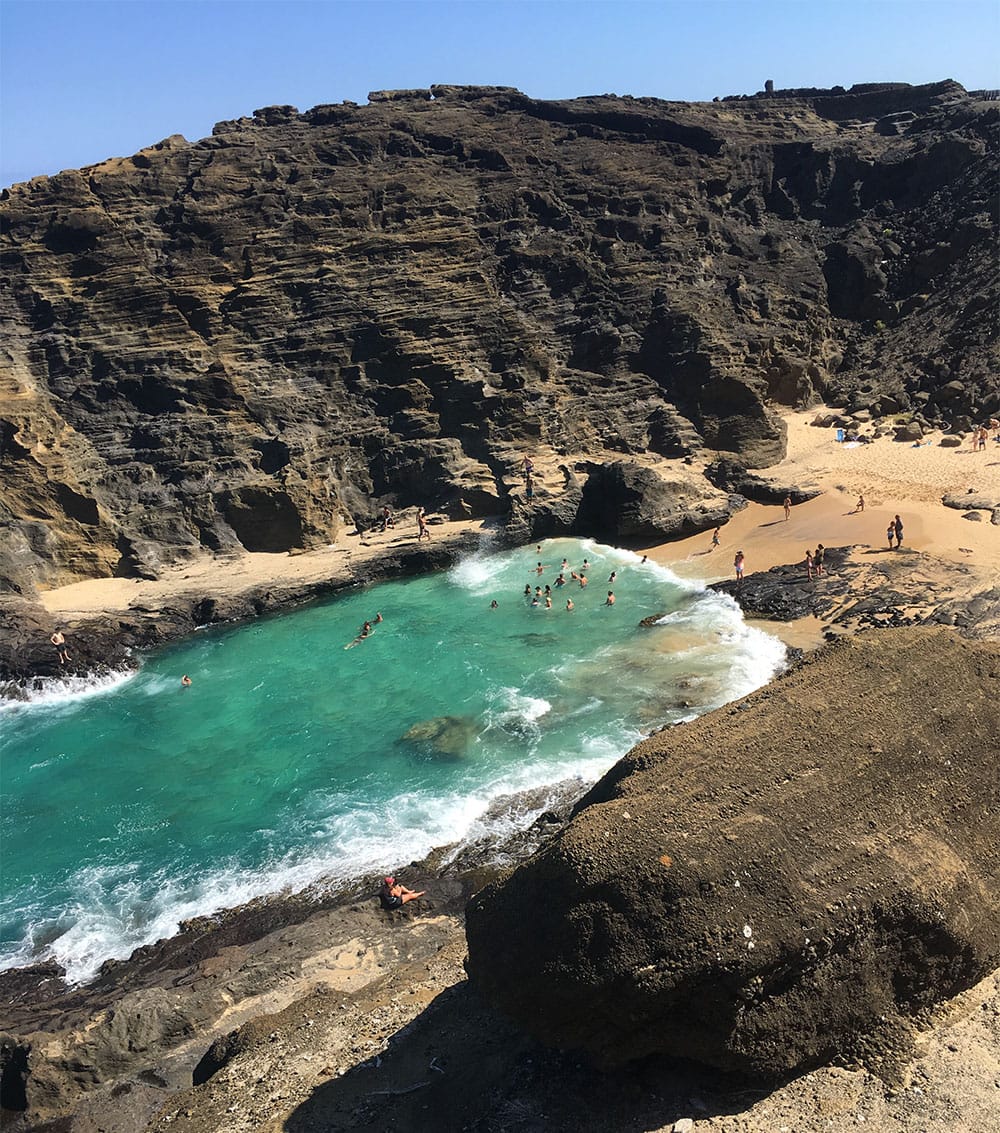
458,1067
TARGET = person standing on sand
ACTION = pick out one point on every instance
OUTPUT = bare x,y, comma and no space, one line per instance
890,532
897,526
739,564
422,531
818,558
809,565
62,649
787,505
715,539
860,505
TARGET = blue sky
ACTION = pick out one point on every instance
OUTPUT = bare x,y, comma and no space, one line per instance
82,80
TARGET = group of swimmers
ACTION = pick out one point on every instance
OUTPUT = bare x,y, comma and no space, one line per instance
543,597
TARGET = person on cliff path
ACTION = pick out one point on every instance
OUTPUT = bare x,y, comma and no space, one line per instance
392,895
739,565
897,525
787,505
422,531
62,649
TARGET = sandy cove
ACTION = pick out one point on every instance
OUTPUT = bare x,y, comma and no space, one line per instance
893,478
411,1011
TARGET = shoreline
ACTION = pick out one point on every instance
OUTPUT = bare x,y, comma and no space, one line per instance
946,558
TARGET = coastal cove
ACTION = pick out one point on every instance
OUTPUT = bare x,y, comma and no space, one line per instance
302,754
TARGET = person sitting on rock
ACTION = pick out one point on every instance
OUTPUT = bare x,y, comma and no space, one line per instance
392,895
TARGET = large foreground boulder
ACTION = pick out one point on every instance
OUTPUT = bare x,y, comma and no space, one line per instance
788,879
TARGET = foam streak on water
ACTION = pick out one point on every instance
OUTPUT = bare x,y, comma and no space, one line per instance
293,760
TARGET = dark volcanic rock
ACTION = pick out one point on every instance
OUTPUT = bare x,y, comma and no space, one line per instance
733,476
785,880
259,338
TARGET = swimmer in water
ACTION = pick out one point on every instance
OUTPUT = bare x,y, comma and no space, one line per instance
565,564
494,605
610,600
569,604
612,576
185,681
560,581
548,602
527,590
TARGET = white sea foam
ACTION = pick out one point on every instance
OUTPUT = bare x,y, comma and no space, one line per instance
478,572
60,692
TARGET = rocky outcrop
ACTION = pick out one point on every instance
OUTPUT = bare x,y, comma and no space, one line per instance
257,339
787,880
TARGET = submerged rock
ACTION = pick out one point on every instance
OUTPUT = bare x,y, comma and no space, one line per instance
780,882
444,735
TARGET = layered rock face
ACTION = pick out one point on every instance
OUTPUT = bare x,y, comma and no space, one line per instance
255,339
781,882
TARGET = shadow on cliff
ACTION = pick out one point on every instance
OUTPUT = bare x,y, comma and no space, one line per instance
459,1067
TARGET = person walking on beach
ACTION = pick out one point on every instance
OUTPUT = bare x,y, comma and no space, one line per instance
62,649
809,565
715,539
392,895
739,564
818,558
897,526
787,505
890,533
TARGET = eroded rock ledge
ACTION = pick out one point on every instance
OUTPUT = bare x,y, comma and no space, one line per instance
787,880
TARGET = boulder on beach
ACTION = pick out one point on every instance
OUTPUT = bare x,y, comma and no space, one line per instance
789,879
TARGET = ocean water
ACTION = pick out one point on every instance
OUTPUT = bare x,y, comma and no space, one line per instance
133,803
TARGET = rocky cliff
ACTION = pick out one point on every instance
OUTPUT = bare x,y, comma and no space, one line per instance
258,338
788,880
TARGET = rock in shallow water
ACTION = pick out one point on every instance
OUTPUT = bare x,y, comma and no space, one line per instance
764,889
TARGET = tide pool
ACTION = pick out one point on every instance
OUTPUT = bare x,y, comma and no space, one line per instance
292,758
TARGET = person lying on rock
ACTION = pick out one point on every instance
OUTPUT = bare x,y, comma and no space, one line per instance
392,895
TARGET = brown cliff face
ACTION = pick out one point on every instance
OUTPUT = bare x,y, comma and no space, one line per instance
262,336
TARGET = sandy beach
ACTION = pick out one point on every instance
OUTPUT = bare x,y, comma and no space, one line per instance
893,478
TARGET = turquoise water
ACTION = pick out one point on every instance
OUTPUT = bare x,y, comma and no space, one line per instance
131,805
